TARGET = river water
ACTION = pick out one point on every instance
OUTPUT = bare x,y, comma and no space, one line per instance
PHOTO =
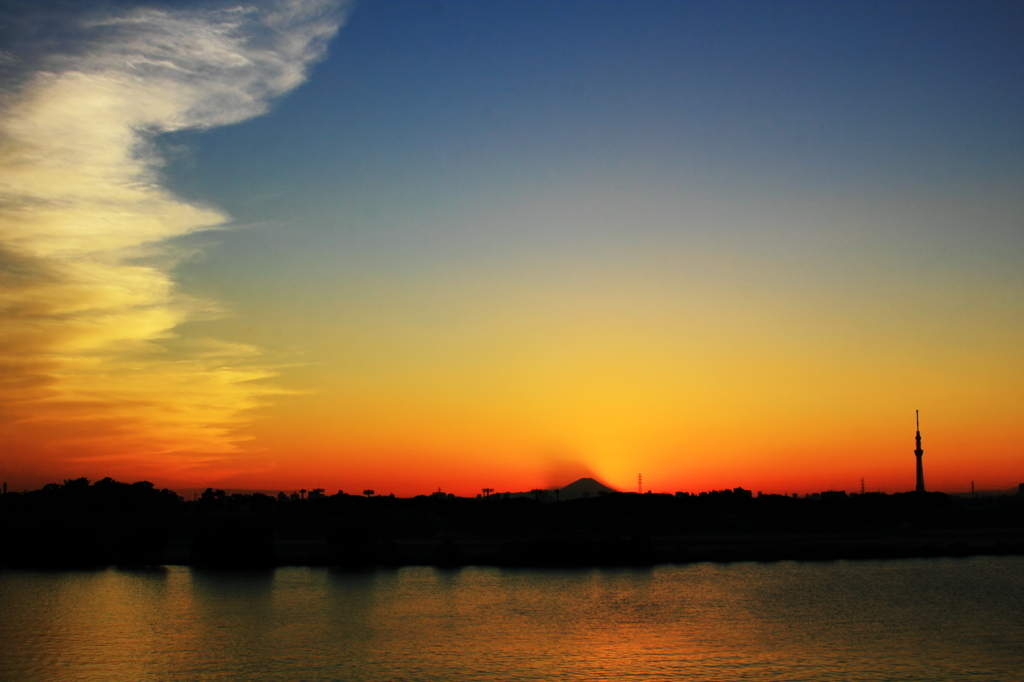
928,619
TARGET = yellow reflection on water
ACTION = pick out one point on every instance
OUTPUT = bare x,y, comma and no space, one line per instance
901,620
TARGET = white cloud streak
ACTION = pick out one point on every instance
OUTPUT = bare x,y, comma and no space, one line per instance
89,307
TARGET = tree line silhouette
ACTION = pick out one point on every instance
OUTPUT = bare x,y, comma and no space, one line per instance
79,525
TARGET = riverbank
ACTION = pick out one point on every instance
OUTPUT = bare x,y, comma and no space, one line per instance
62,541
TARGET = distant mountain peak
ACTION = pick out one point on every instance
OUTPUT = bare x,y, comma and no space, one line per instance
590,482
584,487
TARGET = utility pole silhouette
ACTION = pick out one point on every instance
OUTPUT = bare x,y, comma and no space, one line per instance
368,492
487,491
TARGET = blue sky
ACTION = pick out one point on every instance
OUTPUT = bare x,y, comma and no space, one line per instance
814,95
428,122
520,222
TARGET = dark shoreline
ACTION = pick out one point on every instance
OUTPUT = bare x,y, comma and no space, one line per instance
114,524
241,543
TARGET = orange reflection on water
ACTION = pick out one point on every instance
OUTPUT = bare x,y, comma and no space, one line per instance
896,620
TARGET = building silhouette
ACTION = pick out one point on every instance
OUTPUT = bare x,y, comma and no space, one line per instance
918,452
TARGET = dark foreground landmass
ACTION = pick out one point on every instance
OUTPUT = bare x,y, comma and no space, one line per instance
110,523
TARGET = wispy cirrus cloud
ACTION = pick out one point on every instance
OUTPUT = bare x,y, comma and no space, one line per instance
90,362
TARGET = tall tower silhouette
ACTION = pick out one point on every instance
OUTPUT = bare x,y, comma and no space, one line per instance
918,452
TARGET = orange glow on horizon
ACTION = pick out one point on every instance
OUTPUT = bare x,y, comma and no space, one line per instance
512,326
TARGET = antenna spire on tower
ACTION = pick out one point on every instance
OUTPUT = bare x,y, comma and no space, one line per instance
918,452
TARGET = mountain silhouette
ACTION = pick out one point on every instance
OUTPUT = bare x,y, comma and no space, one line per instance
584,487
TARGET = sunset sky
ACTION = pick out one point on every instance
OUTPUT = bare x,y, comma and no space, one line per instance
409,245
